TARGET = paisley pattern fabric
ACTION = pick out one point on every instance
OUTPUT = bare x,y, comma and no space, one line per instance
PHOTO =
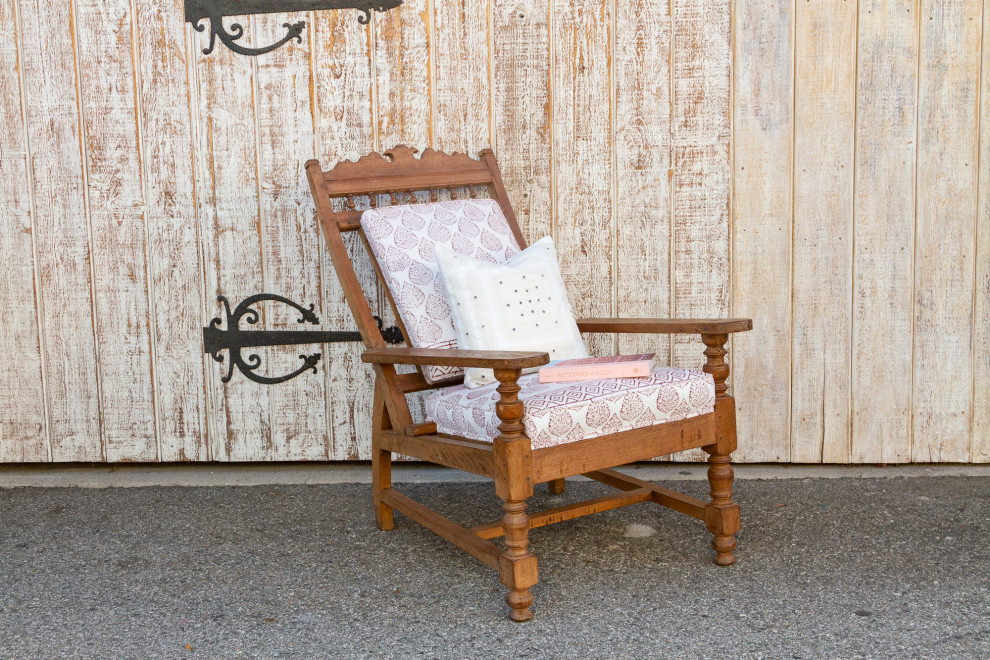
404,240
559,413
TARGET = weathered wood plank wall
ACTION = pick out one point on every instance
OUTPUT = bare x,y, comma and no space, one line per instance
762,214
883,254
819,166
856,226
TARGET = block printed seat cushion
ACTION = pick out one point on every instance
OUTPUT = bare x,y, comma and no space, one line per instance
404,239
559,413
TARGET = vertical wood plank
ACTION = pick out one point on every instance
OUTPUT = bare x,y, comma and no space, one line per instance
883,267
948,139
345,130
402,76
126,130
291,240
53,118
461,76
405,98
583,231
23,428
522,104
701,126
824,146
167,115
231,237
761,238
403,91
643,168
981,422
119,249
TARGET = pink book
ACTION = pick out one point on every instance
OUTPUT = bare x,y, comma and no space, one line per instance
620,366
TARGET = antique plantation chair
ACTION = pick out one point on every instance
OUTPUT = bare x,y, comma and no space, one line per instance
487,431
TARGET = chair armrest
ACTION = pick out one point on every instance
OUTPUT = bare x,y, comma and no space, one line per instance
456,358
666,326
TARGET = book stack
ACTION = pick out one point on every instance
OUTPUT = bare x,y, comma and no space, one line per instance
619,366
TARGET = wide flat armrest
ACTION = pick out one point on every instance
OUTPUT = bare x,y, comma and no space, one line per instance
456,358
666,326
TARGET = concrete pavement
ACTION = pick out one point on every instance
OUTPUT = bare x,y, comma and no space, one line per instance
842,567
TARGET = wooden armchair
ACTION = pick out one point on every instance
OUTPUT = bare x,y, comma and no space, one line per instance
510,458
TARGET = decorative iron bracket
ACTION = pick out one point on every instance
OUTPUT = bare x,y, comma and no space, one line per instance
233,339
217,10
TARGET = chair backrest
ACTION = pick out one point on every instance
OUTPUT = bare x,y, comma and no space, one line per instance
397,177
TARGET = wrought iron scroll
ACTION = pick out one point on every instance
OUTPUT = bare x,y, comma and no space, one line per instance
217,10
233,339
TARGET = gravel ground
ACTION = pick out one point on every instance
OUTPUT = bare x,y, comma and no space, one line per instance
837,568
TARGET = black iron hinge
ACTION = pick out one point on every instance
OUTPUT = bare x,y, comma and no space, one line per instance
217,10
233,339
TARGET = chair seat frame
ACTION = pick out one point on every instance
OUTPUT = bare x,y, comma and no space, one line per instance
509,459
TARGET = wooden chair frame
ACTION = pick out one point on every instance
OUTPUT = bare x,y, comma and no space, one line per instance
510,461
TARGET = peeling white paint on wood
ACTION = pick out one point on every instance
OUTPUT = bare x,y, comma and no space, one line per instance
402,75
61,225
700,206
176,286
643,167
117,229
23,428
345,130
290,239
583,223
460,76
232,238
522,108
141,179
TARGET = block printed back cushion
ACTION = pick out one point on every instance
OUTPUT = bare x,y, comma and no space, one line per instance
404,240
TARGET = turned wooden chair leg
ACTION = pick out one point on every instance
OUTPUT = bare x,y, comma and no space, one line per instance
381,465
556,486
721,514
517,567
514,484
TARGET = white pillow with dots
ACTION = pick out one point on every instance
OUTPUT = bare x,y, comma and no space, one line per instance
520,305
